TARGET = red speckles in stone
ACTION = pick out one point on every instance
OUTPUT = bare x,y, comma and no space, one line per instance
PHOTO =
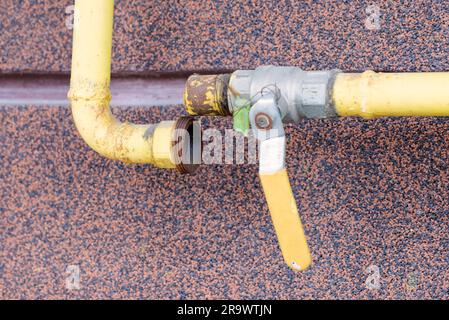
369,192
206,35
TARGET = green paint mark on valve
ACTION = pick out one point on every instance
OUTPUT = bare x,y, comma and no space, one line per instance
241,116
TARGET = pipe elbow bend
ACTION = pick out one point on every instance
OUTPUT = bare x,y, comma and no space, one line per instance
106,135
167,144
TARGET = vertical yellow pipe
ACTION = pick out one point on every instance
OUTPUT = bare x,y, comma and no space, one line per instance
370,94
92,46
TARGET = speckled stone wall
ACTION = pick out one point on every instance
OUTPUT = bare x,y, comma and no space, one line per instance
370,193
160,35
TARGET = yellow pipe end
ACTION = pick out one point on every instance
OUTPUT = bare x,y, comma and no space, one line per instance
175,144
370,94
163,145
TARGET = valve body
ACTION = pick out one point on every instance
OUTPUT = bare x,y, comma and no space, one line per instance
326,94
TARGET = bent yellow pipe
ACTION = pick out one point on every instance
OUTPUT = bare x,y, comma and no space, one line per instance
370,94
90,94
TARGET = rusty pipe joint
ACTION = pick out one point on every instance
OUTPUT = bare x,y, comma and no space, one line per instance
206,95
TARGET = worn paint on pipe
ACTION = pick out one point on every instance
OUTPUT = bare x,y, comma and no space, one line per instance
206,95
90,94
89,88
370,94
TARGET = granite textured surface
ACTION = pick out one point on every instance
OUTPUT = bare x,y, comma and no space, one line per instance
371,194
163,36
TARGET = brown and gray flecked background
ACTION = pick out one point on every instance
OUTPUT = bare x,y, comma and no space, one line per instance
370,193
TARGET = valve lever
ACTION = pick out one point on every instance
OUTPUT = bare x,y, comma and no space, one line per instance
267,125
286,220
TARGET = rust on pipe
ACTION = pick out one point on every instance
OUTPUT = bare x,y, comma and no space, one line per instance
206,95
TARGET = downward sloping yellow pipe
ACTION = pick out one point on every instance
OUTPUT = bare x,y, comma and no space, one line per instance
90,94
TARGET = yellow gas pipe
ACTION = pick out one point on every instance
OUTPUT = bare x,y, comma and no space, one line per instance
370,94
90,95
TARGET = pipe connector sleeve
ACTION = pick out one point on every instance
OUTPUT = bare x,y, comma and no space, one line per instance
177,144
206,95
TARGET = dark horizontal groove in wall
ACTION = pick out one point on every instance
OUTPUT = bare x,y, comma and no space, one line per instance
121,74
128,89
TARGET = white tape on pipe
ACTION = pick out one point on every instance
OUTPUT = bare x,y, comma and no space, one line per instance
272,155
